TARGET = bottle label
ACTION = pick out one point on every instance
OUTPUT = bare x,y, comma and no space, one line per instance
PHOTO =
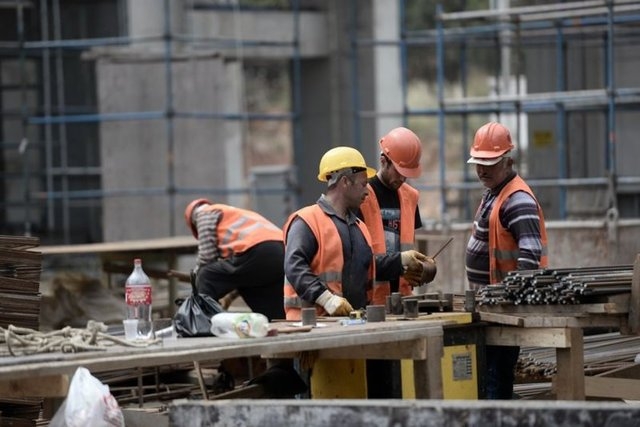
138,295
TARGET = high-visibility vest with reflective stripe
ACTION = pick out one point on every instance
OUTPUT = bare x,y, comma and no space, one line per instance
503,249
241,229
328,261
370,209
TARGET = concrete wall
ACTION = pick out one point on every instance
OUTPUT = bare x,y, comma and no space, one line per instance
135,153
423,413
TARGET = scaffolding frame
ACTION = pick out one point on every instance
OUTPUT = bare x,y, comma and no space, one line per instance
49,52
551,24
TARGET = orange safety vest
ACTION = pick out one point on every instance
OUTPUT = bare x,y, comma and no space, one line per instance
503,249
370,209
328,261
241,229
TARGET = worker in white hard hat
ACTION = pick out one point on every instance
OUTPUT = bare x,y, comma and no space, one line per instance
508,234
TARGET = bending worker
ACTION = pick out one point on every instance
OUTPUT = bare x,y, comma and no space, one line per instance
508,234
392,215
238,249
328,257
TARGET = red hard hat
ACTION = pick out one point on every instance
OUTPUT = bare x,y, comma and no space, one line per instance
404,149
492,141
189,211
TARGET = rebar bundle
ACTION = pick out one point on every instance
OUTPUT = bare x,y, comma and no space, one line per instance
557,286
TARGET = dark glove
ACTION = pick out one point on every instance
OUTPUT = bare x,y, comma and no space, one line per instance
429,270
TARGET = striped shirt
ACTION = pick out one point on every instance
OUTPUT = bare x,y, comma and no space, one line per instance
207,224
519,215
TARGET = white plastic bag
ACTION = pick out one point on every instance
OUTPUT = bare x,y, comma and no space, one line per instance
88,403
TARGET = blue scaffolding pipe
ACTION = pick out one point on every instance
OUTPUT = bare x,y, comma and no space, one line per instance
169,125
561,118
82,44
403,59
611,113
353,56
296,82
156,115
154,191
441,113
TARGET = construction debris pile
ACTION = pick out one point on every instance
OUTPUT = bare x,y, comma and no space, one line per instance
557,286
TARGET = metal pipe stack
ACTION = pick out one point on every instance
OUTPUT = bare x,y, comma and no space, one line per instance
557,286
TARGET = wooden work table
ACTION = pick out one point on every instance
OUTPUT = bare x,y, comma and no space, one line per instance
560,327
419,340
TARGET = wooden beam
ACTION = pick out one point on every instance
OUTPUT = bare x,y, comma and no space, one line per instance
622,388
535,337
634,302
570,362
47,386
401,350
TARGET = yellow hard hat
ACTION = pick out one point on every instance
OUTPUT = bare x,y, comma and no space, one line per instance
339,158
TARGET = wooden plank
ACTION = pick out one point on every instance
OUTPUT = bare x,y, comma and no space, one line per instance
621,388
427,374
46,386
178,243
569,384
503,319
535,337
402,350
634,302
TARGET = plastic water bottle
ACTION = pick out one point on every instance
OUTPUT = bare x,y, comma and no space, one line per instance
239,325
138,298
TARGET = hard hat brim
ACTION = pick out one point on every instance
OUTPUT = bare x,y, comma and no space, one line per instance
485,162
370,174
408,172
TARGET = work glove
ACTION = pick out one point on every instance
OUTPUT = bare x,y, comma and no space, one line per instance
412,265
412,260
334,304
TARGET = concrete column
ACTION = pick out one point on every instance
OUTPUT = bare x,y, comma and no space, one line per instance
387,66
146,18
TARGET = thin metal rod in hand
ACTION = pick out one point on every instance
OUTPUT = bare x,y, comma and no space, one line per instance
442,247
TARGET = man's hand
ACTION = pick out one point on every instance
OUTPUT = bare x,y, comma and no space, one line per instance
334,304
412,266
412,260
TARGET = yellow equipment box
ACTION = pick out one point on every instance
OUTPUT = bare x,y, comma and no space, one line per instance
462,360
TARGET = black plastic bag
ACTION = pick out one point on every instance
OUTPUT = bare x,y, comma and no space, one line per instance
193,318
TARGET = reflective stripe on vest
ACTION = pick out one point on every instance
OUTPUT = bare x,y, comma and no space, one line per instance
327,262
241,229
503,249
370,208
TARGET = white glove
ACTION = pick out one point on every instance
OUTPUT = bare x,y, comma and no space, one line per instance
334,304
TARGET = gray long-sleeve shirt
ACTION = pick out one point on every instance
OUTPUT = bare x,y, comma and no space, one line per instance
302,246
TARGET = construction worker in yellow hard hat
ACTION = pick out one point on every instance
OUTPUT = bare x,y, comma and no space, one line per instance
328,262
508,234
238,249
328,257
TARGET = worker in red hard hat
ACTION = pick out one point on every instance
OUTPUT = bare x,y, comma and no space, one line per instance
508,234
241,250
391,214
